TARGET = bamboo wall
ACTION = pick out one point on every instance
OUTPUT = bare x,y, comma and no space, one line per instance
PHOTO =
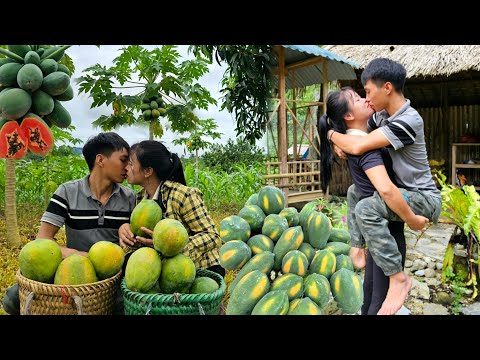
442,128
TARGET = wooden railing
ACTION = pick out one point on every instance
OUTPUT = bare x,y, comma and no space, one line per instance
303,179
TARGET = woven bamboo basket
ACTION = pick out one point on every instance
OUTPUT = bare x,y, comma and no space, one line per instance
37,298
175,304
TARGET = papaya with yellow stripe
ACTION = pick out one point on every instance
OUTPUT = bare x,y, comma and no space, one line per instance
252,200
273,226
291,239
324,263
307,209
318,228
344,261
247,293
271,200
234,228
147,213
293,305
295,262
347,290
234,254
338,247
254,216
317,288
259,243
262,262
305,307
307,249
339,235
291,214
272,303
291,283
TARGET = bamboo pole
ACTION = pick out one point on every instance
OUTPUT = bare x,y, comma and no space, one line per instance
295,152
295,118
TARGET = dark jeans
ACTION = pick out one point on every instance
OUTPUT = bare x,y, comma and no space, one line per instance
375,282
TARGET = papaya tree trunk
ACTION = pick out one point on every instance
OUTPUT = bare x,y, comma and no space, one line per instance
150,131
13,235
196,160
46,197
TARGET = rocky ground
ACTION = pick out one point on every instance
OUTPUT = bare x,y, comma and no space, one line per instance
429,295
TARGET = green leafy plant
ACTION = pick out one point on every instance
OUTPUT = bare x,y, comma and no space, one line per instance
247,83
459,291
226,189
198,137
462,207
158,72
224,156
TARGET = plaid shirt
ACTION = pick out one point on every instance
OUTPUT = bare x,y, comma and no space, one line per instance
185,204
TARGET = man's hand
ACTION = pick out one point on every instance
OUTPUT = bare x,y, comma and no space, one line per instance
418,222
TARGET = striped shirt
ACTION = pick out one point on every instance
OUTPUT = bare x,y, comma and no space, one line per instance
404,130
186,205
86,220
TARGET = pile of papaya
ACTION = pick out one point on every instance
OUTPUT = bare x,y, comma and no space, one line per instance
33,85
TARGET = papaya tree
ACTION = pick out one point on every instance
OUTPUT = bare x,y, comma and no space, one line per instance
197,139
247,83
162,87
15,58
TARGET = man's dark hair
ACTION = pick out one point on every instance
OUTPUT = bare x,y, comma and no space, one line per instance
381,70
105,144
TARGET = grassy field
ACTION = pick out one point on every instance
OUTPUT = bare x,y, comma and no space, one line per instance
29,222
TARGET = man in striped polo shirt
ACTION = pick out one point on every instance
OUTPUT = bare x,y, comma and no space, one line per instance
92,208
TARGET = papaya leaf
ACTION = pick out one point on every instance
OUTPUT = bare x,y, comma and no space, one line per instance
68,62
472,218
153,73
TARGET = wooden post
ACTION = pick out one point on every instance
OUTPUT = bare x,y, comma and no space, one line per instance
324,85
282,120
294,109
325,92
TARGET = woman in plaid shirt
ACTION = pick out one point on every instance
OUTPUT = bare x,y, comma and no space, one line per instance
160,173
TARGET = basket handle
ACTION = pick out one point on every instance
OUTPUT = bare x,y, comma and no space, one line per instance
77,300
28,303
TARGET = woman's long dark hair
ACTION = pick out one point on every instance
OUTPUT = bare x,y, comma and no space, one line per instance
337,108
154,154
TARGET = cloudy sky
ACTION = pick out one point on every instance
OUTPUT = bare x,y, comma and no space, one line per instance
84,56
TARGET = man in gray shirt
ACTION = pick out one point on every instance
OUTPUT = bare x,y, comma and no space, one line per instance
398,127
92,208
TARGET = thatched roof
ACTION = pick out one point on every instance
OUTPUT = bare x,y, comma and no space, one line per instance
419,60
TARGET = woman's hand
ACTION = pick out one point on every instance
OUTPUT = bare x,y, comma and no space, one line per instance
126,236
143,240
